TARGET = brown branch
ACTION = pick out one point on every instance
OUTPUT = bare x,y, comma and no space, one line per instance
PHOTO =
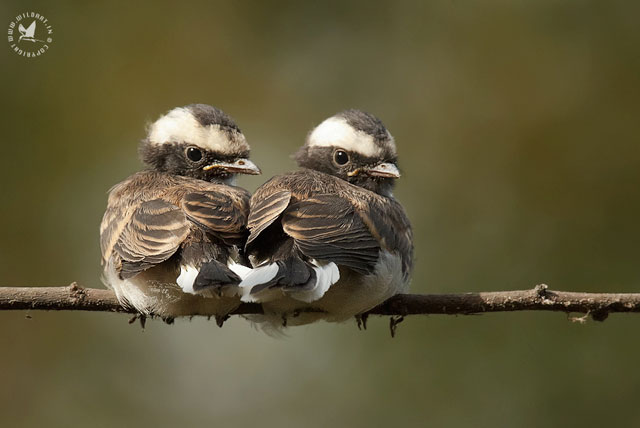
540,298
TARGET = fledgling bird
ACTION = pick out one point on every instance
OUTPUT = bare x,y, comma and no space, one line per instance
171,235
331,236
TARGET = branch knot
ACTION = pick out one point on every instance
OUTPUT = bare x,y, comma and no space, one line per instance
76,293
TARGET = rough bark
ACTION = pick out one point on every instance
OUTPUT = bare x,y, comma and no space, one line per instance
540,298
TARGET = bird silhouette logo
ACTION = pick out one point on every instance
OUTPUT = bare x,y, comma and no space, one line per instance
28,33
30,27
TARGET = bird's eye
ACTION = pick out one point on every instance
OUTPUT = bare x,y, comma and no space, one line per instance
340,157
194,154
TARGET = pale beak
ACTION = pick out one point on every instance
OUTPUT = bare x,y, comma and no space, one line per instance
385,170
240,166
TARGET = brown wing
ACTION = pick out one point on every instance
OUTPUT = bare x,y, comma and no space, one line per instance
112,224
328,228
150,236
219,213
265,210
388,221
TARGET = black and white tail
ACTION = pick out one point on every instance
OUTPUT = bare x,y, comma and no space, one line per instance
306,281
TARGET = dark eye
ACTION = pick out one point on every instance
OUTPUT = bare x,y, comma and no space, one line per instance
341,157
194,154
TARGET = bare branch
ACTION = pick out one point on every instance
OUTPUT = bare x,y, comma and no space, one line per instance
71,298
540,298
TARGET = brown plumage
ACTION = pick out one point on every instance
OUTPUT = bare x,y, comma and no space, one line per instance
171,236
329,219
330,236
152,215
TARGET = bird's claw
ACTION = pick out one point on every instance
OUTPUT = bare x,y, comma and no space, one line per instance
220,319
142,318
361,320
393,324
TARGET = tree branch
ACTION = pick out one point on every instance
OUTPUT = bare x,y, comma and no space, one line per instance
540,298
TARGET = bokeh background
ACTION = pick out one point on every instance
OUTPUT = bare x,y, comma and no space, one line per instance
517,125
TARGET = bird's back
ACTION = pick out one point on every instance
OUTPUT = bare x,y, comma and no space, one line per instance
384,216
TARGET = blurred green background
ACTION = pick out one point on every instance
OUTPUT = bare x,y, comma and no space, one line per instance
517,125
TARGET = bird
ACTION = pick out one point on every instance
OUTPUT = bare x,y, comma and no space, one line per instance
172,235
329,241
28,33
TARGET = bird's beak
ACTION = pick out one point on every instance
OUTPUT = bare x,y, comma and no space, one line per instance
385,170
240,166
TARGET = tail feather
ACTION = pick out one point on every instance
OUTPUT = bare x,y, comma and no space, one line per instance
216,275
258,276
241,270
304,281
326,275
212,277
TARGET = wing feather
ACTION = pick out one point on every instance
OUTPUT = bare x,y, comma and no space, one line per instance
389,223
150,236
328,228
264,211
218,213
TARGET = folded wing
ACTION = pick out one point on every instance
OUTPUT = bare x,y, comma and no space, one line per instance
265,211
150,236
219,213
328,228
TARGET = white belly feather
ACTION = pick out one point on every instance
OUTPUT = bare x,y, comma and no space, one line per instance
352,294
161,291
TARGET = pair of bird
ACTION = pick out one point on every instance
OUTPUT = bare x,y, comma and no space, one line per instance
326,242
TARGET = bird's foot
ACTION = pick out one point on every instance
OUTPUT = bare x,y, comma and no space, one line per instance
220,319
393,324
142,318
361,320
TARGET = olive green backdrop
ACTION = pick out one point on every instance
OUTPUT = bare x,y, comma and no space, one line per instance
517,125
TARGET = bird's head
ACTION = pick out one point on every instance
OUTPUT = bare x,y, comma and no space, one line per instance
354,146
198,141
